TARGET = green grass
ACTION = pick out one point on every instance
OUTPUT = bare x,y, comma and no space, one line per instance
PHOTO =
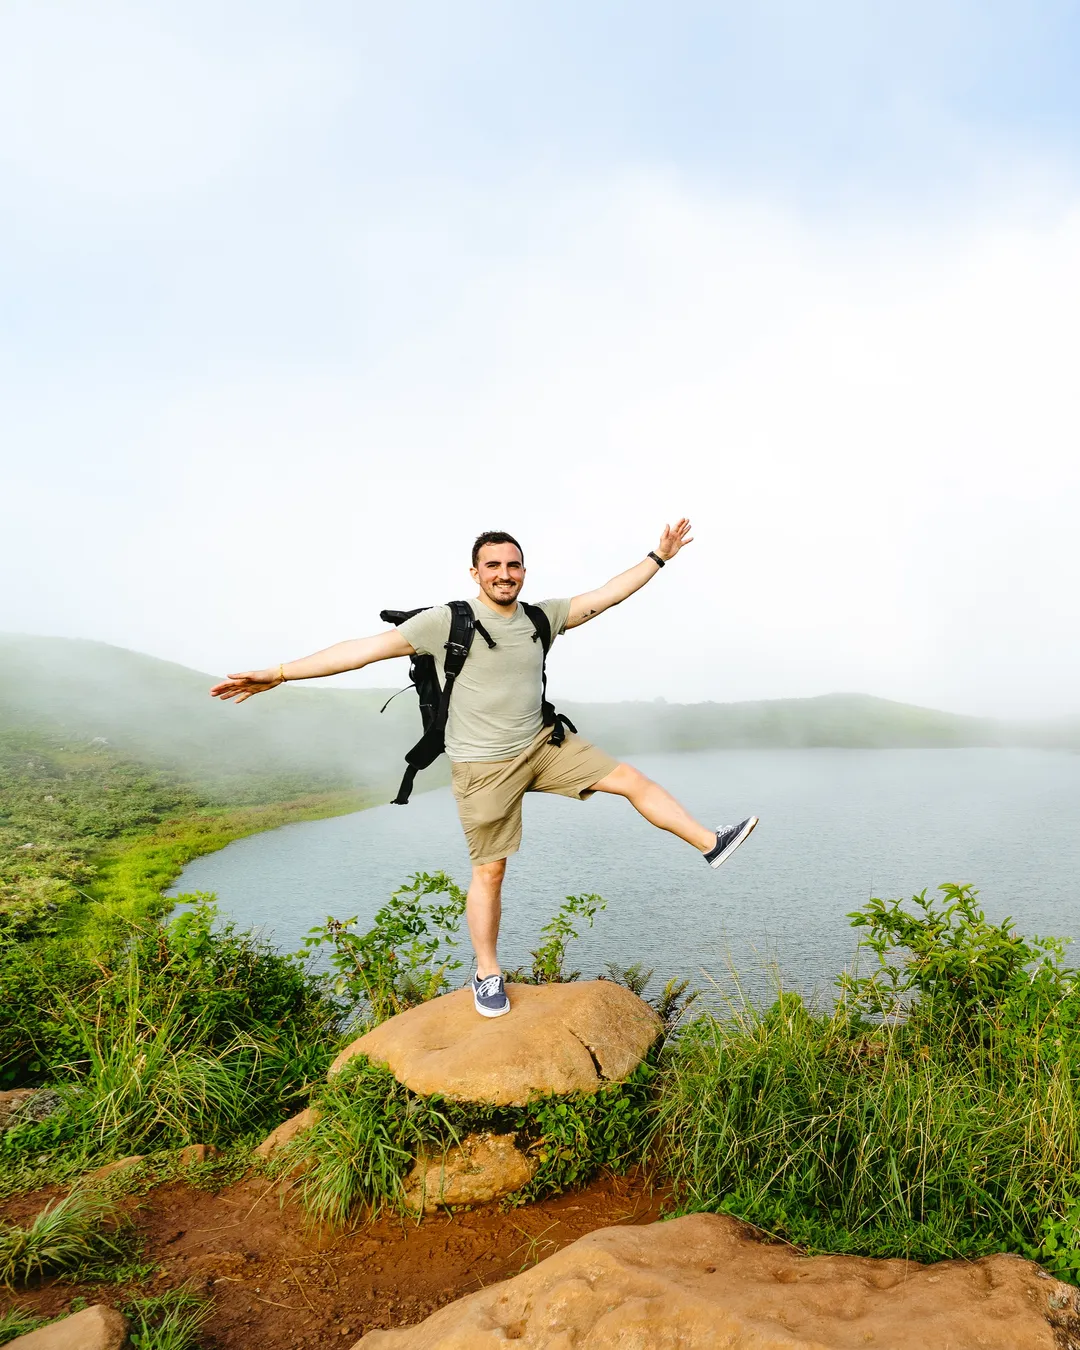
191,1033
170,1321
70,1235
15,1323
130,874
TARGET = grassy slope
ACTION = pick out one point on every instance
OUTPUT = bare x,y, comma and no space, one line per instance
87,833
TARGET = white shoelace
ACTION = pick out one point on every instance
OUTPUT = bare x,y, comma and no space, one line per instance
488,986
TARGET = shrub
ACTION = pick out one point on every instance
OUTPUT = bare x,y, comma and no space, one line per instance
192,1033
549,959
953,977
933,1111
405,957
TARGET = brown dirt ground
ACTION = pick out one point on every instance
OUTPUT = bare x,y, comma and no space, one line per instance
277,1284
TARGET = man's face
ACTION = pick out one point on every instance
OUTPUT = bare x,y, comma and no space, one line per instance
500,573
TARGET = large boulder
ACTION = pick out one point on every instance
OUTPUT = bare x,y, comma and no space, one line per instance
95,1328
706,1281
557,1038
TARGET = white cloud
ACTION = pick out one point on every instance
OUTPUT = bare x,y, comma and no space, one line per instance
875,433
130,104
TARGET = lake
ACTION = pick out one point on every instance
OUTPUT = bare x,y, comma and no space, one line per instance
837,826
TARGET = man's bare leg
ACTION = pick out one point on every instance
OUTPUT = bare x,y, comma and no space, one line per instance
483,910
658,806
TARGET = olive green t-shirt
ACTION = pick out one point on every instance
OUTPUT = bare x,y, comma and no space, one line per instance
495,706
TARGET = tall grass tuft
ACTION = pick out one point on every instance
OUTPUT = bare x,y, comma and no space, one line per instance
170,1321
369,1132
66,1235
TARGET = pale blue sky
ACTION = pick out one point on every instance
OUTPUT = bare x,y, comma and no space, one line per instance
295,299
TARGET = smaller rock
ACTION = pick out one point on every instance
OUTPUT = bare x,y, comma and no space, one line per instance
196,1153
22,1104
96,1328
44,1103
12,1103
288,1130
120,1165
485,1167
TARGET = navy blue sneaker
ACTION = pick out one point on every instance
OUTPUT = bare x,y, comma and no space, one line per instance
489,996
728,840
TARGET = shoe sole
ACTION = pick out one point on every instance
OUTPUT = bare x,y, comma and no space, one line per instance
490,1012
745,833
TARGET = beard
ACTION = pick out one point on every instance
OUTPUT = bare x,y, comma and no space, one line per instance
504,596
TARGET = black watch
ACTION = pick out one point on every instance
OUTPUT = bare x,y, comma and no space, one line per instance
655,557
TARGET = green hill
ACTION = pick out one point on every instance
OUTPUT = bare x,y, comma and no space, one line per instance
297,739
159,713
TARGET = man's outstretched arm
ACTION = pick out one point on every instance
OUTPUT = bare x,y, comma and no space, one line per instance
591,603
351,655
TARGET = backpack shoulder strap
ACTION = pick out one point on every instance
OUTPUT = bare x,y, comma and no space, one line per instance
558,722
539,621
462,631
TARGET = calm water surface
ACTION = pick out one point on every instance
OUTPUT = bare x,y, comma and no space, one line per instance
837,826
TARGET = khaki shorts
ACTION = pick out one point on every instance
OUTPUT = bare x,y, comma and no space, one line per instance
489,792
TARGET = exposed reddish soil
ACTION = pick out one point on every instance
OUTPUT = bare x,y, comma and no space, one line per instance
277,1284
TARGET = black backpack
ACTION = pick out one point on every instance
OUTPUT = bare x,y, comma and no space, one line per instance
435,701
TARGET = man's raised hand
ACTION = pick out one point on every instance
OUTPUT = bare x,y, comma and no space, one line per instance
243,686
674,538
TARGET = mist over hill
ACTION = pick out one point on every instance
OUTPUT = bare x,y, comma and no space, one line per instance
159,712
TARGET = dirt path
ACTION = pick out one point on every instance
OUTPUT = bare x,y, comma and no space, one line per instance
276,1284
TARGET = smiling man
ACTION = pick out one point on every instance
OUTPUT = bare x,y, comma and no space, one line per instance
499,740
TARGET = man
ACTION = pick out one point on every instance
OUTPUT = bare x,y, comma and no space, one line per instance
495,737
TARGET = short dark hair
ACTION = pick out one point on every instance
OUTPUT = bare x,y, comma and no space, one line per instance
495,537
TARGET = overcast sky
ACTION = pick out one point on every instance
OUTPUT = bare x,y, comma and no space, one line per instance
295,299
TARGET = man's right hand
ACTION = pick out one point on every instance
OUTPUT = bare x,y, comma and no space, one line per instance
243,686
351,655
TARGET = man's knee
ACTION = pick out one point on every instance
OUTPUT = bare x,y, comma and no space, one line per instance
624,780
489,874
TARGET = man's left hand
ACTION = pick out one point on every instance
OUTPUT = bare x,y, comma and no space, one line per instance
673,538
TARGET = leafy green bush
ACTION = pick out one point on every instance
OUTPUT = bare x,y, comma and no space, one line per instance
953,977
405,957
933,1111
